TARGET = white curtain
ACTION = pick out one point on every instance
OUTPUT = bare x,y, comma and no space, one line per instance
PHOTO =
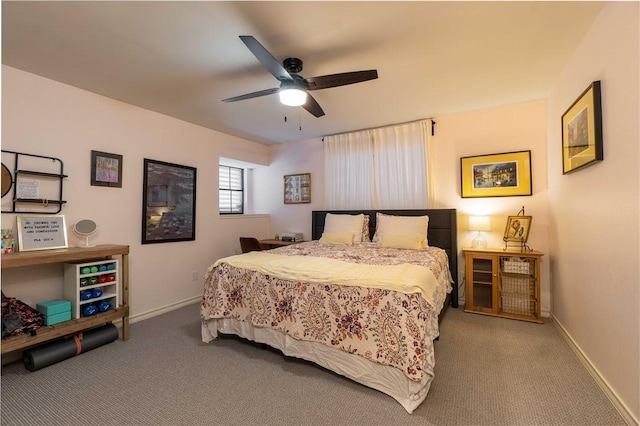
384,168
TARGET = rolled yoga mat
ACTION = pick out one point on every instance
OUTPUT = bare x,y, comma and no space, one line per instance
46,355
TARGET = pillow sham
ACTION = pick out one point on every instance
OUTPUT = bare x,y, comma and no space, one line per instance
345,224
337,238
365,229
415,242
401,225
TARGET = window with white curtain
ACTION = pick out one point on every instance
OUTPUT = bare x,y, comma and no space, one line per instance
231,190
384,168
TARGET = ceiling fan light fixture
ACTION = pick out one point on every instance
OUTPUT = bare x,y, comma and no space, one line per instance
293,97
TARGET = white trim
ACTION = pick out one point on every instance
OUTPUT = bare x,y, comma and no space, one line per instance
609,392
244,216
163,310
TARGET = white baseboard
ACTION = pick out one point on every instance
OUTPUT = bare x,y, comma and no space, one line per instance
163,310
611,394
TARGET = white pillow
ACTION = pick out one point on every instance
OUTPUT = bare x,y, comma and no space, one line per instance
414,242
345,224
333,238
401,225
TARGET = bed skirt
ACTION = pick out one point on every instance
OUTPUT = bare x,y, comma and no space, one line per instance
388,380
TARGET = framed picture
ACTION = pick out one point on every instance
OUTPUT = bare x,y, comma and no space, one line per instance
496,175
297,188
168,202
517,229
41,232
106,169
582,131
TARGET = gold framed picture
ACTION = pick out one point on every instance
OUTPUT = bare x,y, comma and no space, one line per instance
582,131
496,175
297,188
517,229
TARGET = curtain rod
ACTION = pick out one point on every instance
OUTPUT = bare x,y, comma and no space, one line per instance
433,125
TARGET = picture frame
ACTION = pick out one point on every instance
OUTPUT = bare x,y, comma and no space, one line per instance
582,131
297,188
168,202
505,174
41,232
106,169
517,229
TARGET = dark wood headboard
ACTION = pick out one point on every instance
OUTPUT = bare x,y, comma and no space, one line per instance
442,232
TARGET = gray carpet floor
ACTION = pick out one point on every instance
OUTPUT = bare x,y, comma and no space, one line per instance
489,371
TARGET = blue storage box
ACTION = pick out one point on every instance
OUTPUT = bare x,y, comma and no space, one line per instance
56,318
52,307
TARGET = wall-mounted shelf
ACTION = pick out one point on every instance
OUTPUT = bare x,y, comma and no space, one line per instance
48,182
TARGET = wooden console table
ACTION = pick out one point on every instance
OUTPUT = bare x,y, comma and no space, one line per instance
270,243
42,257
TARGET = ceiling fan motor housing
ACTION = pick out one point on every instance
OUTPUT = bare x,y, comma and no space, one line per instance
293,65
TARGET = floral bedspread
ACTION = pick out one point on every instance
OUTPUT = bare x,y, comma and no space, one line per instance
381,325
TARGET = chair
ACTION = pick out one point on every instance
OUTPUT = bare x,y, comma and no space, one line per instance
248,244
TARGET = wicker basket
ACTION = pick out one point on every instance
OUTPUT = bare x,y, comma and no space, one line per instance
516,266
516,286
518,305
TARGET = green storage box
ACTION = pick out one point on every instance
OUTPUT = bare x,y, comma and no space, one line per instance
56,318
53,307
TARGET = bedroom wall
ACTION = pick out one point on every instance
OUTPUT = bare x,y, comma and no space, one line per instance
41,116
594,212
510,128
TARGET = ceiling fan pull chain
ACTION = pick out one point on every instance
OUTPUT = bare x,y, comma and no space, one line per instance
299,120
285,114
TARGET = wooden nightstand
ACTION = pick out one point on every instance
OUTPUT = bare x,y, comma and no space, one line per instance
503,283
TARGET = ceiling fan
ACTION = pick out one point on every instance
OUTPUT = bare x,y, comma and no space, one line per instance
293,87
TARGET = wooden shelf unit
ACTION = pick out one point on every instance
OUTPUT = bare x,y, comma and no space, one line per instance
74,254
503,283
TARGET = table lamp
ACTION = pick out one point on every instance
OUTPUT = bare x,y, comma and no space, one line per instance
479,224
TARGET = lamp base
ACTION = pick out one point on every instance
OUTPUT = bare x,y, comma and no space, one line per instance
479,243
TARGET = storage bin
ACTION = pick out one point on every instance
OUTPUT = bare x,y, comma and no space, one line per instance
56,318
516,266
52,307
518,305
516,286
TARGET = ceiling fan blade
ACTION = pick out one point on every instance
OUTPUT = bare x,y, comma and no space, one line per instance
266,59
342,79
313,106
252,95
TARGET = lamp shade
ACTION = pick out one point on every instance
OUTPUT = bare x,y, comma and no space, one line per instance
293,97
479,223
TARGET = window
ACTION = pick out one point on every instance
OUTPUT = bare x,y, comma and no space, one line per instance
231,191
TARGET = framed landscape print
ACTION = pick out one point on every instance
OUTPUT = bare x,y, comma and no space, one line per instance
496,175
168,202
582,131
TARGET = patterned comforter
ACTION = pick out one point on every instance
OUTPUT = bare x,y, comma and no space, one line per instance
381,325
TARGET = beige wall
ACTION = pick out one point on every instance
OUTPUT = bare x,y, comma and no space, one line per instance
40,116
586,223
511,128
594,232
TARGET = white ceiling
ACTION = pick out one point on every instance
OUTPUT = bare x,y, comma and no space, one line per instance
182,58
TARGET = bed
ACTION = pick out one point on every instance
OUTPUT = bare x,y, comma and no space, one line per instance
366,310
